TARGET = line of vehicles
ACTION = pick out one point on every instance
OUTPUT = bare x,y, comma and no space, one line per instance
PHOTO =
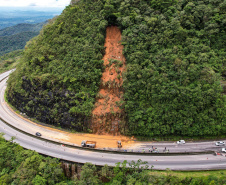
221,143
218,143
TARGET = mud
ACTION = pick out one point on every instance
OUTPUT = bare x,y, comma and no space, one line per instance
107,116
102,141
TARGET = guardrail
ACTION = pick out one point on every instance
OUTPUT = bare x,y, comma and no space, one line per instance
119,151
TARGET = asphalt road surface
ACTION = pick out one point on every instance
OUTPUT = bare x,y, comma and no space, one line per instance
183,162
173,147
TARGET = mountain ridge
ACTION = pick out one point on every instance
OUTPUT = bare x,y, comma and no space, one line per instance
22,27
15,37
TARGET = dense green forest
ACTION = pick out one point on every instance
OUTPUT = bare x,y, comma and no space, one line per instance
10,60
23,27
15,37
175,55
26,167
20,167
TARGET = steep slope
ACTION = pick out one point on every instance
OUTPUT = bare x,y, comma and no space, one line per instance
175,58
107,116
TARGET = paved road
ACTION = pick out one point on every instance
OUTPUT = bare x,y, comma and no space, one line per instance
173,147
12,118
189,162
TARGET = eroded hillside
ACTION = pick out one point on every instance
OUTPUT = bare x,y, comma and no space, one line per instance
107,114
175,59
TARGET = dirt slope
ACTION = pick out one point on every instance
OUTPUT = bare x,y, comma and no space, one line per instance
107,115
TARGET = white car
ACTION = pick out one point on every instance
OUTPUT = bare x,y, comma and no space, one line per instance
223,150
220,143
181,142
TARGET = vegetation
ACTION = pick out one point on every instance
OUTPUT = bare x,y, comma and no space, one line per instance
22,167
175,55
23,27
19,166
15,37
10,60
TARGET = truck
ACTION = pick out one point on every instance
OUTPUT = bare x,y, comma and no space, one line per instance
181,142
90,144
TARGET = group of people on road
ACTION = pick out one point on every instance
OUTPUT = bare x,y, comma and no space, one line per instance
155,150
150,150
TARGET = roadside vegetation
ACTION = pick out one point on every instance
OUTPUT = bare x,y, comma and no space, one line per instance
10,60
175,56
19,166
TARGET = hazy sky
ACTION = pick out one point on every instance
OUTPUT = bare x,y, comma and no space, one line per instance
40,3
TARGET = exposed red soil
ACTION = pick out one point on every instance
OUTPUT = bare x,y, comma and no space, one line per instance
103,141
107,115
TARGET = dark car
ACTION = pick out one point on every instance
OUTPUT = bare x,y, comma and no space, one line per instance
38,134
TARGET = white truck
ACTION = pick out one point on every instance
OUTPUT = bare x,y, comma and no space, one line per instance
181,142
90,144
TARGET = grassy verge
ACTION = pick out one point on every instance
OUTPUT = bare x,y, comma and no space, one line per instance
184,174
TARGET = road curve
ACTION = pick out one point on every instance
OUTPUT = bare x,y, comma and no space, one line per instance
189,162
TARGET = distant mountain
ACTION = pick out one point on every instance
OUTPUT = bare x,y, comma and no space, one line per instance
10,16
19,28
15,37
10,60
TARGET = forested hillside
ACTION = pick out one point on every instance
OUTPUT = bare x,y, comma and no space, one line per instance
10,60
23,27
15,37
19,166
175,56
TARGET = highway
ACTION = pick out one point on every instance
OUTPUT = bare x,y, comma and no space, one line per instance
182,162
173,147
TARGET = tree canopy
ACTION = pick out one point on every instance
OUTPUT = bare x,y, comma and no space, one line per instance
175,55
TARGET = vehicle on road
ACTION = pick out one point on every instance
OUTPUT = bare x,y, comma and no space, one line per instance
38,134
90,144
223,150
119,143
181,142
220,143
